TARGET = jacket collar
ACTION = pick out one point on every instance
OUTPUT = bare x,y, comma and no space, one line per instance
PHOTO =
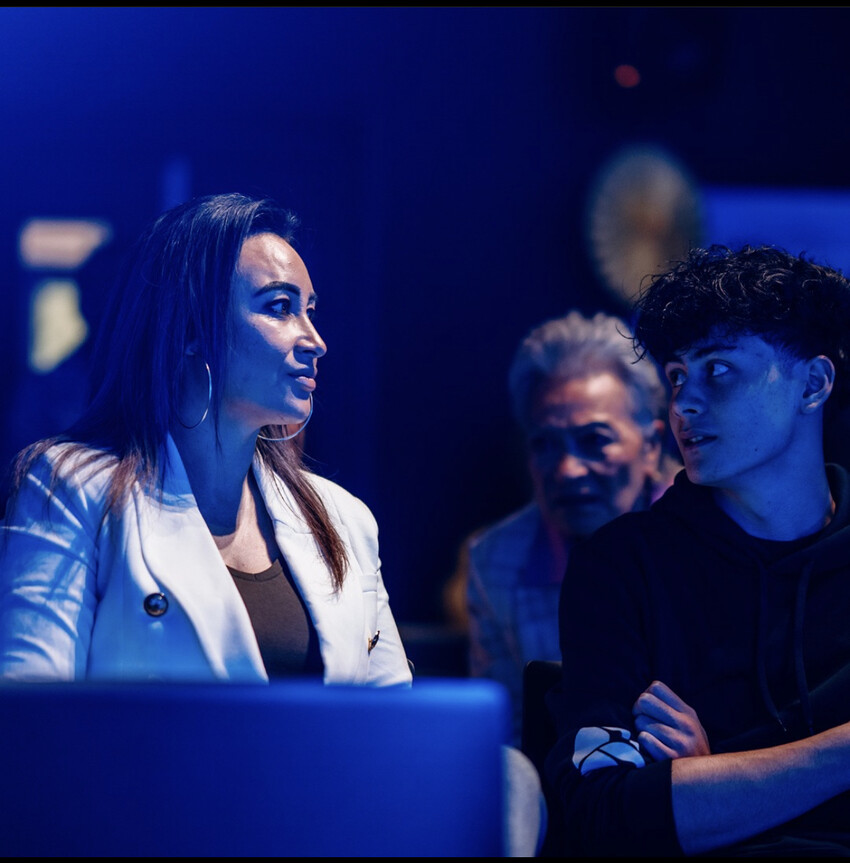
182,556
338,617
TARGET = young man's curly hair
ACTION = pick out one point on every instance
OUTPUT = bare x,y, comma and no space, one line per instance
794,304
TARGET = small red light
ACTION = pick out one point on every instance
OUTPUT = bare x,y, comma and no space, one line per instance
627,76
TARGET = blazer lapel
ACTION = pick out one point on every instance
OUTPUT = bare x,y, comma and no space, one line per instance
338,617
182,556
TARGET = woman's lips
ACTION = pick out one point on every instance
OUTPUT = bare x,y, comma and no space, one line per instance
307,382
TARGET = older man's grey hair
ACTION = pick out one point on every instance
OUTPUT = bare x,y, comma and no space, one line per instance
575,346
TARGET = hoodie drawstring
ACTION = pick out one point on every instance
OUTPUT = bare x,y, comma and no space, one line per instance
799,666
761,649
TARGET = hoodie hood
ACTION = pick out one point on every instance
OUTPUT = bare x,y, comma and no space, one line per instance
694,506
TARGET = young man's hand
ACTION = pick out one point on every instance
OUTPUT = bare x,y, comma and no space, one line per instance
668,728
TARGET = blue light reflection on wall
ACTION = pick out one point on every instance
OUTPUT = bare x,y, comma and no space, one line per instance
814,221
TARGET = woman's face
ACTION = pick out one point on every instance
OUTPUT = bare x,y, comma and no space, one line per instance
274,347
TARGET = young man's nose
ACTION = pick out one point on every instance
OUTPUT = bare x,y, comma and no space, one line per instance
686,401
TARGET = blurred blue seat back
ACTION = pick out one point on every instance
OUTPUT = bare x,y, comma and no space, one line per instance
232,770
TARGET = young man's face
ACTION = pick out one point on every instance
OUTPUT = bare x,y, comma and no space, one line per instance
735,411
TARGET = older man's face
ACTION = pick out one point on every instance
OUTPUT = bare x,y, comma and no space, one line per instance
589,459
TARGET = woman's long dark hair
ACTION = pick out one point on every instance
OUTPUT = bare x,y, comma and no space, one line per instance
173,291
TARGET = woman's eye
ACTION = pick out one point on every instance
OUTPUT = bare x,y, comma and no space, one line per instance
280,306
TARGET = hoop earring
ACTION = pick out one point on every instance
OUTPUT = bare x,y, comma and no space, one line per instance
209,402
295,433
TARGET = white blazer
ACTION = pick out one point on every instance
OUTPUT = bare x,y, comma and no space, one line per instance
82,599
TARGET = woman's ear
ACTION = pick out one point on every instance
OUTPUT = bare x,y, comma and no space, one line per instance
819,383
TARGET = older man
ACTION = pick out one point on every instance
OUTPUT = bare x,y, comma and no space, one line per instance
592,419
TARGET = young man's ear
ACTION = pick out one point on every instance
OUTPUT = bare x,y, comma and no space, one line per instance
821,378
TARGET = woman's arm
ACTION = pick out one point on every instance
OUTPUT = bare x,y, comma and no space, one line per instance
47,581
388,665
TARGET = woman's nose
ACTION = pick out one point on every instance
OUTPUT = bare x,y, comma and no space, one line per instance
311,340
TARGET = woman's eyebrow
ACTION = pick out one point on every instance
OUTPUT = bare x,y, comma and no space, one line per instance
276,287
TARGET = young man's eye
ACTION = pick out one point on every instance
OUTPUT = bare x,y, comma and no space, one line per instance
676,377
311,313
717,368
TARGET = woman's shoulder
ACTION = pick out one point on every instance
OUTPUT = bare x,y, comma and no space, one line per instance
332,491
283,488
67,463
79,461
59,477
342,503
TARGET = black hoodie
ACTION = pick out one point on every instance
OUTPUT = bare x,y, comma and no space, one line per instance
753,634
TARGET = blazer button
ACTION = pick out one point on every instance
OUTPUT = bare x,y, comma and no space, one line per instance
156,604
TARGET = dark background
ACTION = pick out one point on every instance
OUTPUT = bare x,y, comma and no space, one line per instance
440,160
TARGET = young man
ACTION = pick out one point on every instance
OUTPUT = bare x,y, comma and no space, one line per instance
705,696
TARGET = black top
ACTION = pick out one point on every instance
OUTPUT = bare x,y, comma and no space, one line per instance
285,632
751,633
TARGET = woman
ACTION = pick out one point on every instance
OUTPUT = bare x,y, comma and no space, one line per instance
173,533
